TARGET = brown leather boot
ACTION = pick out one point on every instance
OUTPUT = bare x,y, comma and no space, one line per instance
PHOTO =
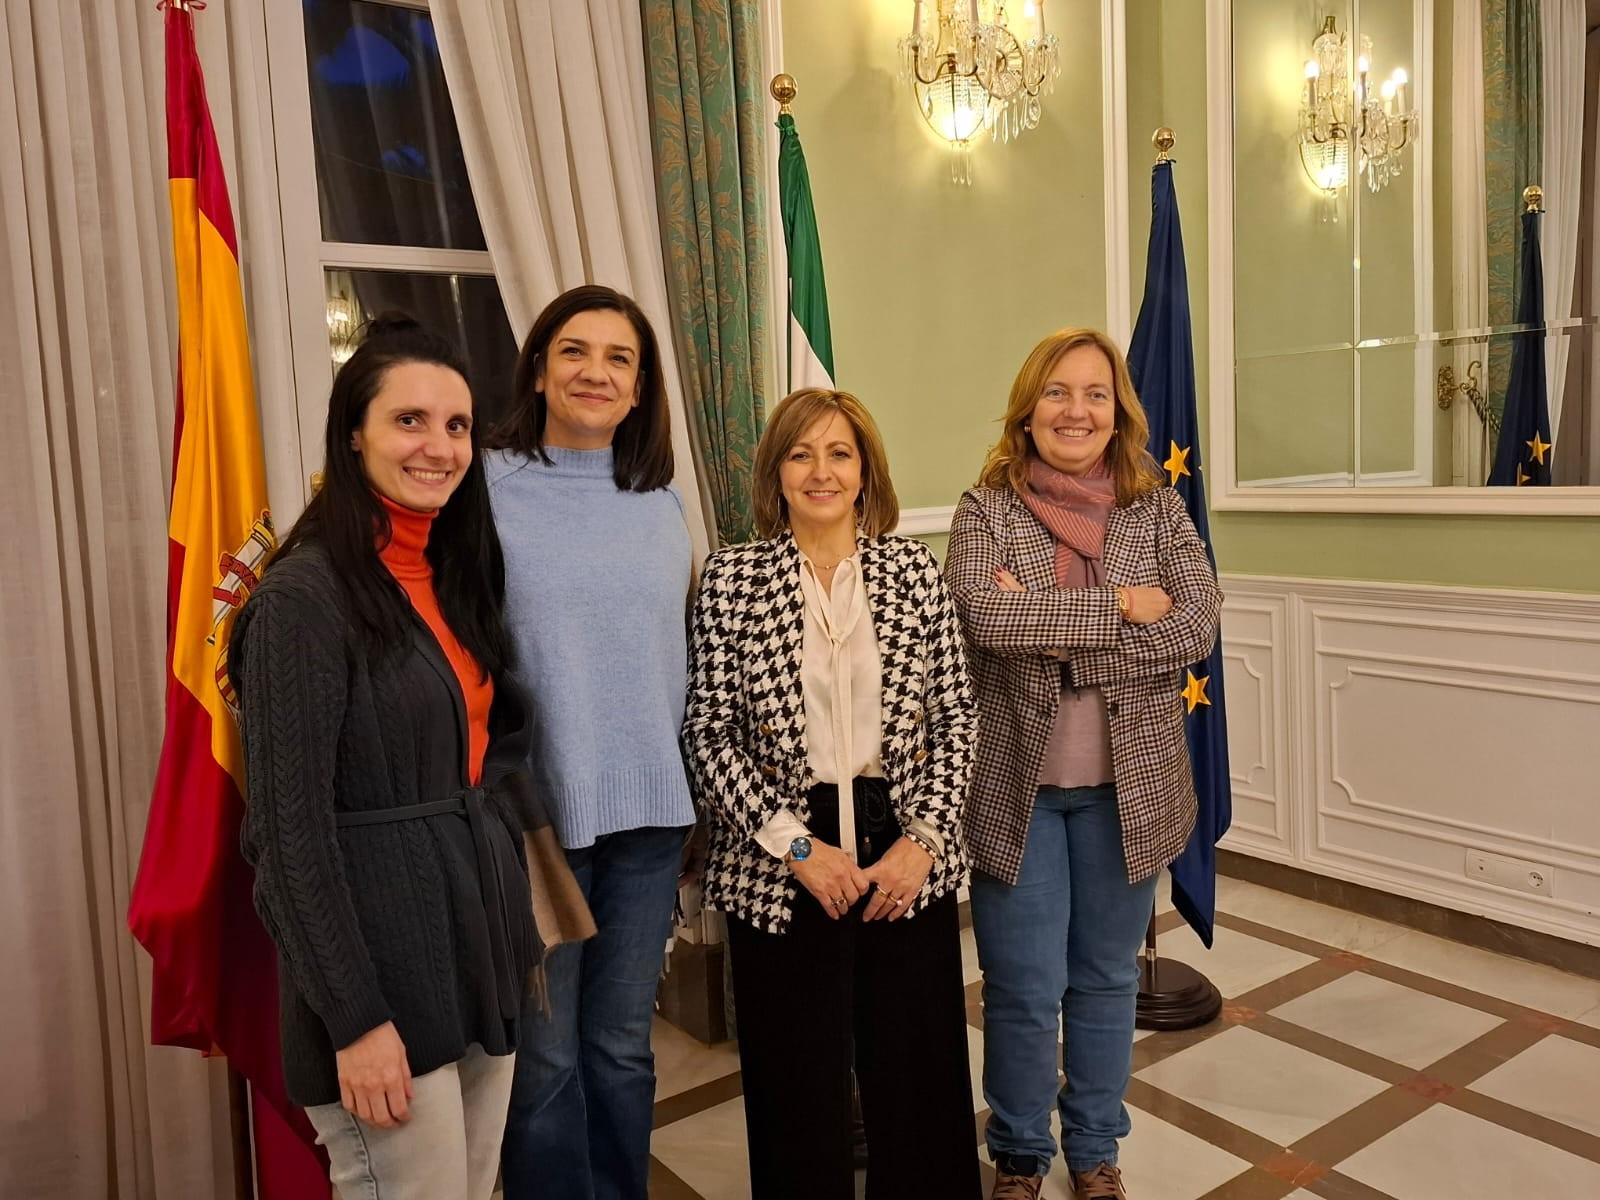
1016,1187
1102,1183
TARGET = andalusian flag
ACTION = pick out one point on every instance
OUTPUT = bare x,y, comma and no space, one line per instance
1161,361
215,986
810,339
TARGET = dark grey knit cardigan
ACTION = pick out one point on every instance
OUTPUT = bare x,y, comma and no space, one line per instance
424,921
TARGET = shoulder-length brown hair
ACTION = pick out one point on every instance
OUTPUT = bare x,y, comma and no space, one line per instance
1127,455
877,507
642,445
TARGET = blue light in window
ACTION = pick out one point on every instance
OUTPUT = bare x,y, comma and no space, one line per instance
365,58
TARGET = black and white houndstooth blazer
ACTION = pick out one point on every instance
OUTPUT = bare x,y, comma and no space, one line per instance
745,725
1012,643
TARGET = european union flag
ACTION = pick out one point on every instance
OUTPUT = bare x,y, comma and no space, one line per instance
1161,360
1523,454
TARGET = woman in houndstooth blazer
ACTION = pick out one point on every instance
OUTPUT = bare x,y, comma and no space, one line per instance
1083,591
830,729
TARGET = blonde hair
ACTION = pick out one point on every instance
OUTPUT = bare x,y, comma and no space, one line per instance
877,508
1127,455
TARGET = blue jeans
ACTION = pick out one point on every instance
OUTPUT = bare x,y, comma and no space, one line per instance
1064,939
583,1100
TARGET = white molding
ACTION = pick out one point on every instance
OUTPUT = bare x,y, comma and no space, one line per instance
1225,493
1320,479
1114,143
1220,455
1431,601
360,256
1424,408
917,522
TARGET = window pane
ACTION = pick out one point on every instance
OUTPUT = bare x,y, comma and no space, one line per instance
464,308
389,164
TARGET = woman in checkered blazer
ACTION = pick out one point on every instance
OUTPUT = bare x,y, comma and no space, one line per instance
830,729
1083,591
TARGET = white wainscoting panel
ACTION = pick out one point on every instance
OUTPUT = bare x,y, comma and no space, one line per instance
1392,735
1255,665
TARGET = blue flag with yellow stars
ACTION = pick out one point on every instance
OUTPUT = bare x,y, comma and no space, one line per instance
1161,360
1522,457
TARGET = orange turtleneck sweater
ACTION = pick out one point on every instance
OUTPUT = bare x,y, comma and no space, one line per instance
407,562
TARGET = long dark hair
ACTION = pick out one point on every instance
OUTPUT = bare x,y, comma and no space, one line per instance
642,446
346,518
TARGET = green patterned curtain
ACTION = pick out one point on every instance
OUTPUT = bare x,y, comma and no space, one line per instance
1513,111
707,116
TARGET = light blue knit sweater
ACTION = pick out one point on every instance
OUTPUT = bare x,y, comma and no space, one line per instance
597,581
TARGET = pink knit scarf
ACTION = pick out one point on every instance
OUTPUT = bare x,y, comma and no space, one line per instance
1074,509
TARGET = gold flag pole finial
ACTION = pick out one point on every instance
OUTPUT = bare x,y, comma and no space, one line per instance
1163,140
783,90
1533,198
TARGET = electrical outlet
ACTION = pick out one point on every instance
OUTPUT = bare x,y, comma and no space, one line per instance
1512,873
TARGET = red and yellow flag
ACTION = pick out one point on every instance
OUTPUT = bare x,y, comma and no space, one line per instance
215,986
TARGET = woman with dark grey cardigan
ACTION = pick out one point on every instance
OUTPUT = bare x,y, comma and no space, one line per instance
388,815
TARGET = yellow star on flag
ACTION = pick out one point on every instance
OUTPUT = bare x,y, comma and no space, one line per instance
1177,462
1522,476
1194,691
1537,448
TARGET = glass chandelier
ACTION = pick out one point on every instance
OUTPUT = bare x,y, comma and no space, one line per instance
1336,110
974,77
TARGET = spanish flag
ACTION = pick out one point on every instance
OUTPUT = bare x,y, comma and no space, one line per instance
215,987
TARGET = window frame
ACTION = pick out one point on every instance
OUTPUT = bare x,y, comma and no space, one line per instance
307,255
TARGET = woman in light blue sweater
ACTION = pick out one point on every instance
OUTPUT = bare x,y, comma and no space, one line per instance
597,580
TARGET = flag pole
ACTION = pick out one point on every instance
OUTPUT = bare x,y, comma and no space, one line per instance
784,90
1172,994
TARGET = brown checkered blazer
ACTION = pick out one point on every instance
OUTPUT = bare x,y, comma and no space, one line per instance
745,725
1012,643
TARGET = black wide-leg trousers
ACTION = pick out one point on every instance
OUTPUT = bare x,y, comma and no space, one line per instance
883,997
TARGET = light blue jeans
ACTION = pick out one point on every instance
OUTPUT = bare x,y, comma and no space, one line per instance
1064,940
450,1145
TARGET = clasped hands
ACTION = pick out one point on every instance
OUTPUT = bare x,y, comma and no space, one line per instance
893,882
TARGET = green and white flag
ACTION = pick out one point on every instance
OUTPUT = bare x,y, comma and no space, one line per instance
810,339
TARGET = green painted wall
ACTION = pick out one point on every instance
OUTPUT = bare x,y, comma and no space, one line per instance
938,291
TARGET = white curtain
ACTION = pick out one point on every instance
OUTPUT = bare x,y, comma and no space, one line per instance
1469,220
549,96
87,339
85,336
1562,36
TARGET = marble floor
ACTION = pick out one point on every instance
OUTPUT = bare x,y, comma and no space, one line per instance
1354,1060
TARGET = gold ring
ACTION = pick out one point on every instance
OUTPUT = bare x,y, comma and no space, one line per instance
896,900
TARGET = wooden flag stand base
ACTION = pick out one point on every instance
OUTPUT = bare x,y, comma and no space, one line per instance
1172,994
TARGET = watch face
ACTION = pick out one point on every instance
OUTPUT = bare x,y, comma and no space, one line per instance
800,848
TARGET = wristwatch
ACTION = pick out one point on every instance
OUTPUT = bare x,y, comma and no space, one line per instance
799,850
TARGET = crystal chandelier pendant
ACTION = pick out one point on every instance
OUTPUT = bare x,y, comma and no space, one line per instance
1342,113
973,76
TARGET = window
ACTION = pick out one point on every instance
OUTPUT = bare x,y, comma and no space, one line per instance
361,108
